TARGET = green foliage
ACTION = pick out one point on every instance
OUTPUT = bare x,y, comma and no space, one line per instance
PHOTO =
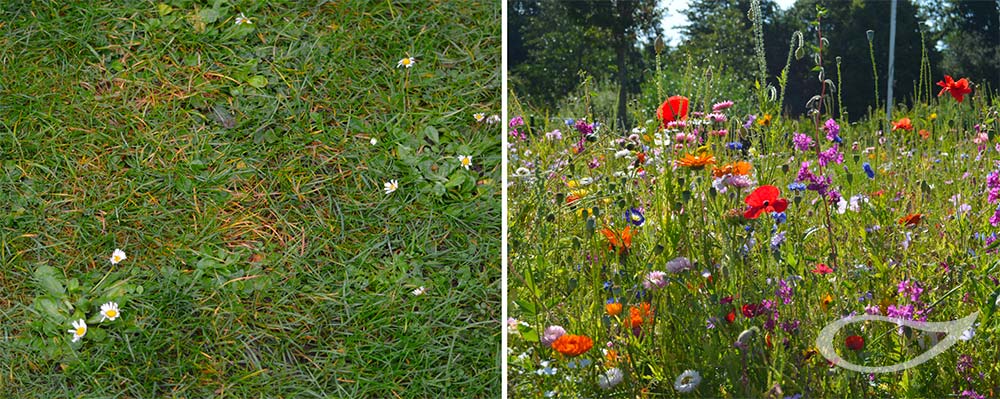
235,164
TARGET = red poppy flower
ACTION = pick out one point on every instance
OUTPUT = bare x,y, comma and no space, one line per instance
731,317
912,219
752,310
674,108
822,268
764,199
957,89
855,342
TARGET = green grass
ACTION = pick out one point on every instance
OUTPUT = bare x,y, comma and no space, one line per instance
233,165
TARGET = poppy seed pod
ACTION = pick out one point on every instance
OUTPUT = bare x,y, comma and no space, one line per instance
871,35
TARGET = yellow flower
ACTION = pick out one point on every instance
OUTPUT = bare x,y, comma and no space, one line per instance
933,116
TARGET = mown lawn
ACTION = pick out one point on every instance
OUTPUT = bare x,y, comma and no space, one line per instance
235,166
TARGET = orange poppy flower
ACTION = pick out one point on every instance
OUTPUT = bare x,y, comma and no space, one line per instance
764,120
741,168
958,89
696,161
924,134
622,241
572,345
612,357
826,301
614,308
637,315
904,124
912,219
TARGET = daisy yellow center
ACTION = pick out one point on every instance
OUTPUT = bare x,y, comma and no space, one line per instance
118,258
81,330
465,161
406,61
111,313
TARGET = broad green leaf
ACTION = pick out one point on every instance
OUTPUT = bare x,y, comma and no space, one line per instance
49,280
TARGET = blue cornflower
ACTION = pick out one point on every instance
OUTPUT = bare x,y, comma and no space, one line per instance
635,217
868,170
608,285
570,122
779,217
797,186
735,145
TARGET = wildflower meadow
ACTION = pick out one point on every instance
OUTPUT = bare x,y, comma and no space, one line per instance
282,199
701,250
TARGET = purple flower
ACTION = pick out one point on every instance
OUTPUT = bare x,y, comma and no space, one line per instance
832,130
554,135
784,292
970,394
594,163
873,310
900,312
750,120
717,117
964,364
679,264
913,289
833,196
995,219
802,142
790,326
516,121
832,154
584,128
655,279
776,241
551,334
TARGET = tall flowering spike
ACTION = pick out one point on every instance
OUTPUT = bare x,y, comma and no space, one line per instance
764,200
675,108
958,89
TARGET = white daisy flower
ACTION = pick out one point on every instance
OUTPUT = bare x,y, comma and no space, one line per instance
687,381
79,329
406,62
109,311
242,19
117,256
374,141
419,291
391,186
479,116
466,161
610,378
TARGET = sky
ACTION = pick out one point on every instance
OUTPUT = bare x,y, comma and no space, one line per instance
675,19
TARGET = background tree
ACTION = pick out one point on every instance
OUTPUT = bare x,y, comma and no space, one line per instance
547,50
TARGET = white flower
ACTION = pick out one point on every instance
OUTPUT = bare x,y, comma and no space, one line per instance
466,161
109,311
117,256
419,291
79,329
391,186
406,62
242,19
374,141
479,116
610,378
622,153
546,369
687,381
493,119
